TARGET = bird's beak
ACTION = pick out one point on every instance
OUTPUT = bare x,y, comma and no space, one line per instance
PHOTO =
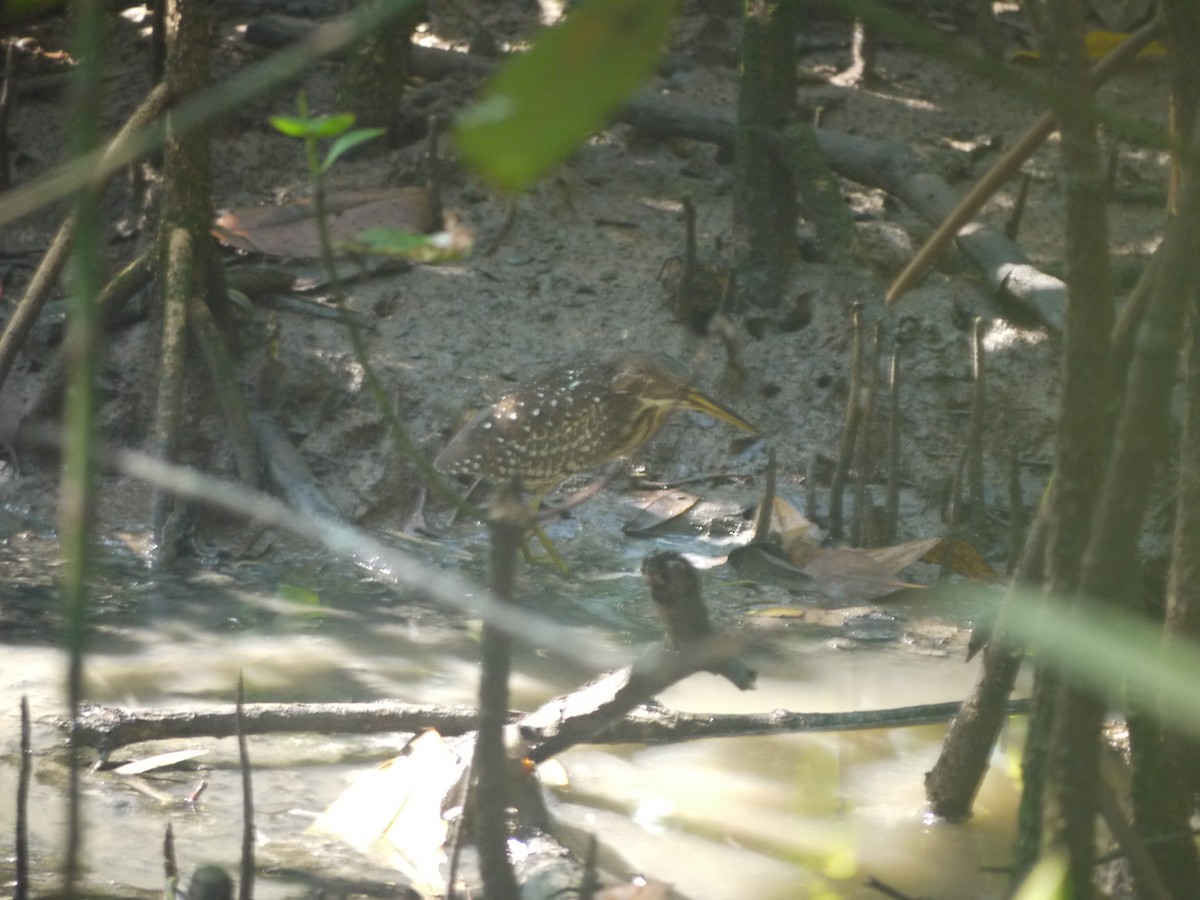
701,402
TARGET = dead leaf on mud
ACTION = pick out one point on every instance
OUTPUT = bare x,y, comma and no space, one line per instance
852,576
792,525
762,560
662,513
846,574
901,556
964,559
291,230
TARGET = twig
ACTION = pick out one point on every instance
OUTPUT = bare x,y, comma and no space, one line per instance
892,506
1146,876
21,887
1012,225
766,507
1010,162
7,94
246,886
77,491
886,889
810,486
109,728
954,519
434,176
977,428
849,426
864,457
1016,507
591,883
951,785
490,763
170,868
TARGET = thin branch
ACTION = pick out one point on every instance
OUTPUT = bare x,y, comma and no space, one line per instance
109,728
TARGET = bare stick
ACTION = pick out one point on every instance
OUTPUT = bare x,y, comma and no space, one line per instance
1146,876
490,764
7,94
810,486
110,728
762,521
864,459
1016,507
170,868
850,426
1010,162
246,887
21,888
977,428
892,509
1013,226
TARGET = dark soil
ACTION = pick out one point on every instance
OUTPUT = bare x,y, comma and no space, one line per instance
578,273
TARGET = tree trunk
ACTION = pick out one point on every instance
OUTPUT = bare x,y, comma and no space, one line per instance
764,201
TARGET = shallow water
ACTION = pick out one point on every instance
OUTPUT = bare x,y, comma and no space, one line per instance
784,816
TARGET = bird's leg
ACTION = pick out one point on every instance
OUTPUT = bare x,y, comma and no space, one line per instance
552,554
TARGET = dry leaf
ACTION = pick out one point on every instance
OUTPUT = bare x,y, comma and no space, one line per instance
393,813
763,560
851,576
291,230
664,510
793,526
964,559
901,556
1098,44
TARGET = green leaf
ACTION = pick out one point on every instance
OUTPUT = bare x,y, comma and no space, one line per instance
315,127
348,140
306,604
427,248
541,105
1047,881
1110,650
295,594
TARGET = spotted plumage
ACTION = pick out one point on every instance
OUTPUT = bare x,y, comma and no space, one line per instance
573,419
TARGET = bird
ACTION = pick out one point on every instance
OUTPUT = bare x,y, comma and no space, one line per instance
575,418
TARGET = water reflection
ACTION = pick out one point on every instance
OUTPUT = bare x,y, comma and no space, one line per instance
768,817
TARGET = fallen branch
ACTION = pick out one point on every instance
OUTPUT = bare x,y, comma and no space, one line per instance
1011,162
108,728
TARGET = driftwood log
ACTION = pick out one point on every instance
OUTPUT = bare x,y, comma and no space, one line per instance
108,728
